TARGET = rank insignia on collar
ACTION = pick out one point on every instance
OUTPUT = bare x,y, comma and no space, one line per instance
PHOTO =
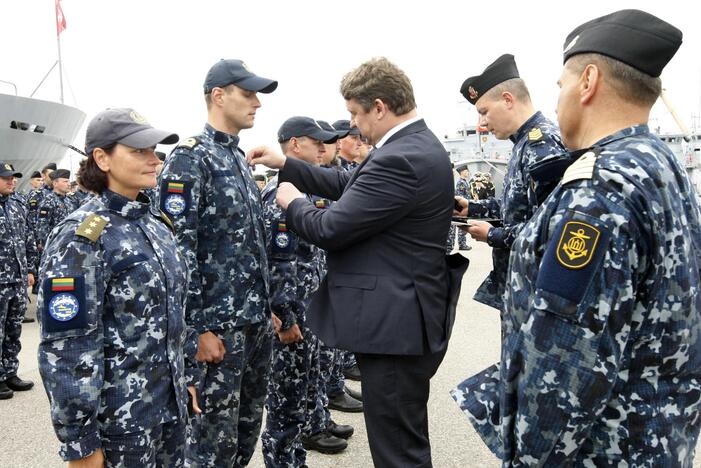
535,135
577,244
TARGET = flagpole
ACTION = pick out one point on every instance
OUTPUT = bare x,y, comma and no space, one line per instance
60,23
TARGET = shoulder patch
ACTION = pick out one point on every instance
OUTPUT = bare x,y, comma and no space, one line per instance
283,240
581,169
189,143
577,244
91,228
535,135
174,197
64,304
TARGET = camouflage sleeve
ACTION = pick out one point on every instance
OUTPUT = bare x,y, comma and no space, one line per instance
564,360
282,262
71,357
503,237
487,208
31,250
181,185
42,225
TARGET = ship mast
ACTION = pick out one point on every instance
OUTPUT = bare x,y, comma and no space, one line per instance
60,26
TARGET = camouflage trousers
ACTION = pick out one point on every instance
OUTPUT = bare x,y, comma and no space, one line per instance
348,359
294,406
13,305
331,368
231,396
160,446
452,234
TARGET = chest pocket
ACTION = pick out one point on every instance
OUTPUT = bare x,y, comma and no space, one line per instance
225,198
134,288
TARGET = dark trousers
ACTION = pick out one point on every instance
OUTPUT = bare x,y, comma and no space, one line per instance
395,393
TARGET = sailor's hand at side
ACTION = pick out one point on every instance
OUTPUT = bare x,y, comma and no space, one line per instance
463,204
94,460
265,156
286,192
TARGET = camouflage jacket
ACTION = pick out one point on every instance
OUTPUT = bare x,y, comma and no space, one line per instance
296,266
113,334
536,140
208,191
601,360
18,253
77,199
462,188
52,210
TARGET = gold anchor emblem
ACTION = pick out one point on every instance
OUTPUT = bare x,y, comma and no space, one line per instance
577,244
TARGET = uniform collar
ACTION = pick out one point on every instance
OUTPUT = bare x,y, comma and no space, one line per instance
222,138
130,209
635,130
527,126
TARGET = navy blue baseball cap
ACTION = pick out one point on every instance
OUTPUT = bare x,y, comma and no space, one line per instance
125,126
344,125
304,127
7,170
329,128
226,72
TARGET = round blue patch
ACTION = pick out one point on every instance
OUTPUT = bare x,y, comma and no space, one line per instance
282,240
175,204
63,307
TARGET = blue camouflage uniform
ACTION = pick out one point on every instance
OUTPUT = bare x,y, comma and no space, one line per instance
77,199
462,189
52,210
18,257
113,335
601,359
536,140
347,165
293,405
208,191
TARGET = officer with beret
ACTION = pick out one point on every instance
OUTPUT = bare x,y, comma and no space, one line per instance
293,404
208,192
505,108
36,180
111,307
54,207
17,271
601,360
348,146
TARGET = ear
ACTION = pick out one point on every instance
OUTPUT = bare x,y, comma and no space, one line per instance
508,99
216,95
380,108
589,83
102,159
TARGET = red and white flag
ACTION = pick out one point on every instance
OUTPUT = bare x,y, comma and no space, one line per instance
60,19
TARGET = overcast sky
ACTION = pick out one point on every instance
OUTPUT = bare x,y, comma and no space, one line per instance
152,55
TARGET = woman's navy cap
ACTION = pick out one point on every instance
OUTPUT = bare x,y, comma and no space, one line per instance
125,126
633,37
226,72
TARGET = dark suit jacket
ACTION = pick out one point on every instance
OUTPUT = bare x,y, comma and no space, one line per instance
387,286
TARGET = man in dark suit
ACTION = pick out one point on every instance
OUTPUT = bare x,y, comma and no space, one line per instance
389,289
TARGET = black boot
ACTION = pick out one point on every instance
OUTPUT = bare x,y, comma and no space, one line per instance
353,393
27,320
18,385
5,392
352,373
346,403
342,431
324,442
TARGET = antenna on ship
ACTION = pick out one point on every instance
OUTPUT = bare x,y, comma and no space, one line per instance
60,26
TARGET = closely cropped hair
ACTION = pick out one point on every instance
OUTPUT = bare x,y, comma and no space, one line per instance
515,86
631,84
378,78
208,97
90,176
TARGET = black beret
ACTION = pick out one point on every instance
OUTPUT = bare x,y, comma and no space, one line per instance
633,37
60,174
502,69
35,174
51,166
